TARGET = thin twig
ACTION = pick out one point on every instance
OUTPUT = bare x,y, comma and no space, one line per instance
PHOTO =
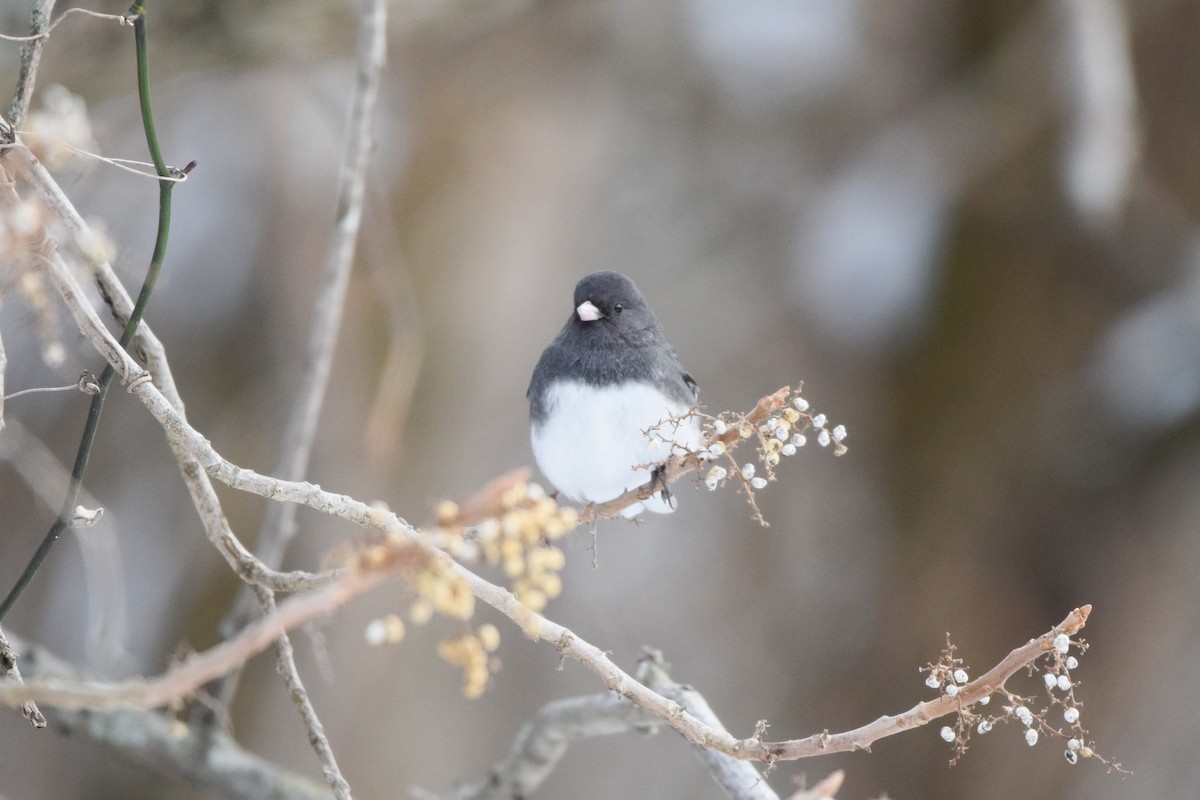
279,525
678,466
286,664
182,681
31,56
34,390
127,164
119,18
10,671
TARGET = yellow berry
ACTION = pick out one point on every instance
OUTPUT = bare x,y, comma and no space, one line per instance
447,512
489,637
420,612
551,584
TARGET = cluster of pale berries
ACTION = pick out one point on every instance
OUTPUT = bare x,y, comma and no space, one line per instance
516,539
780,435
948,676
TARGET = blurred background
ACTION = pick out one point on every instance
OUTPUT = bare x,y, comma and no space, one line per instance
969,228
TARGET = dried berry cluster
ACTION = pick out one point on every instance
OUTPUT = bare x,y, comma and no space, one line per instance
949,676
511,526
779,434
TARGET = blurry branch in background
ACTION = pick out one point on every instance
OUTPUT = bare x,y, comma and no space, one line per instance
279,525
103,569
397,382
543,740
1102,147
208,758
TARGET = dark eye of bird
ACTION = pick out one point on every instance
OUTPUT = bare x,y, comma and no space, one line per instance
618,308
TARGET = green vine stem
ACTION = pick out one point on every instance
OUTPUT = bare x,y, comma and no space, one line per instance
167,180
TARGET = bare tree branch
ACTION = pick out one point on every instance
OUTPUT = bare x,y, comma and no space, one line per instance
1102,150
31,56
180,682
279,524
205,757
286,664
740,780
543,740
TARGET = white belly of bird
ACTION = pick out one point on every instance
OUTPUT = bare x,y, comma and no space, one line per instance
592,439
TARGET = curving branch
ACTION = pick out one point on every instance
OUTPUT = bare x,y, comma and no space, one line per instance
208,758
543,740
279,524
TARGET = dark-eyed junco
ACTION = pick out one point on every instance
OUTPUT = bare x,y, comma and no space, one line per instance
607,378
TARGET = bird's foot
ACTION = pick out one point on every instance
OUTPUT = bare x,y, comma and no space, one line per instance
658,482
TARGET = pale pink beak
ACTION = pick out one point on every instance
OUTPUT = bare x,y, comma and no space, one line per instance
587,311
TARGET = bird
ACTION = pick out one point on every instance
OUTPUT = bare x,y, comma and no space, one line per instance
607,379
